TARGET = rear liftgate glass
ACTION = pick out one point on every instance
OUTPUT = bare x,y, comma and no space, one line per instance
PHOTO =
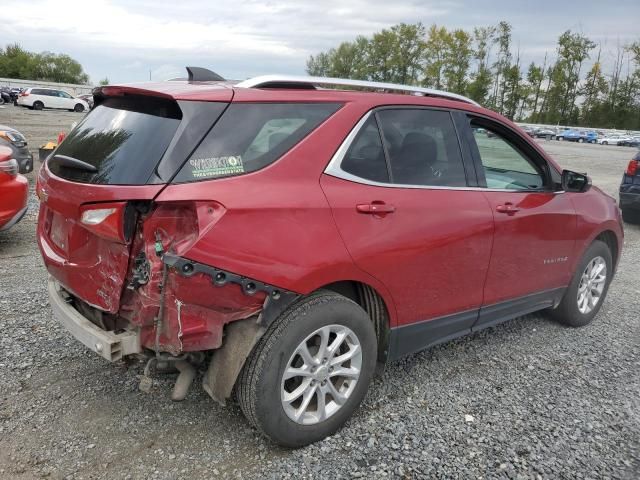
119,143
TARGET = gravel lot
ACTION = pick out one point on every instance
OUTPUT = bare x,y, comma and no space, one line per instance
526,399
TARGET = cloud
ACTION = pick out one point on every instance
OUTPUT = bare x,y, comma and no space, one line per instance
125,39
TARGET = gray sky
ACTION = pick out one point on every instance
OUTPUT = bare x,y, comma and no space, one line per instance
125,39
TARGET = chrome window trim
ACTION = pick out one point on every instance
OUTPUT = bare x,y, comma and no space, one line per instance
334,169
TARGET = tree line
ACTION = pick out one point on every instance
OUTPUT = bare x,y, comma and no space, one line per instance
484,65
16,62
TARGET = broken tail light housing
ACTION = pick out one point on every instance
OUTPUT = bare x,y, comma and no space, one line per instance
106,220
632,168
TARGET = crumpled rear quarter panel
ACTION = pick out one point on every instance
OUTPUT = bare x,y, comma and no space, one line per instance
195,309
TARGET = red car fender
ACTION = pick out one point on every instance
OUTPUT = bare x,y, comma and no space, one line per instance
14,190
595,212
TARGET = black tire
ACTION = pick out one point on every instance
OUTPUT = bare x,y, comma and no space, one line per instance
630,216
605,143
78,108
567,312
38,105
259,385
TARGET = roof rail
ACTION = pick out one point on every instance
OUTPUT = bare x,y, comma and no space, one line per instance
288,81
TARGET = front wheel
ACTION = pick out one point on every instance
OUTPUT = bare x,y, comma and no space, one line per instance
588,288
78,108
309,371
580,140
560,139
604,143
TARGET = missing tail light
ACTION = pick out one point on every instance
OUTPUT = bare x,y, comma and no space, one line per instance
632,168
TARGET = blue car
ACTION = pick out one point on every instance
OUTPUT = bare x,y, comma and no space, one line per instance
580,136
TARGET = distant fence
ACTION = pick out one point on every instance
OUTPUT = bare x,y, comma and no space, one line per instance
71,88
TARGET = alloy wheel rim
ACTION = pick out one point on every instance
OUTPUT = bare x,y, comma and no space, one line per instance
321,374
591,285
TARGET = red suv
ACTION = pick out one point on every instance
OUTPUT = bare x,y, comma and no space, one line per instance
289,237
14,189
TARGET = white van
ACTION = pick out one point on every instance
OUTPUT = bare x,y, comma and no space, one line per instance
39,98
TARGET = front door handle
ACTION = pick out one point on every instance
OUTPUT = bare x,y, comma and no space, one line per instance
508,208
375,208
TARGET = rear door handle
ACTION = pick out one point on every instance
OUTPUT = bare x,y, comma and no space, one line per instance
375,208
508,208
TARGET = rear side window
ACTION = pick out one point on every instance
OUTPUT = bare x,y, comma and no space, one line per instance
365,158
423,147
124,138
250,136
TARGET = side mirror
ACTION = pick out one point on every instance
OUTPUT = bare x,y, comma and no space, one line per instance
575,182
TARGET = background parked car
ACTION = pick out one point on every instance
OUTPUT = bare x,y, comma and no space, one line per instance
544,133
14,189
630,142
630,191
5,95
529,131
580,136
17,143
15,93
39,98
87,97
612,139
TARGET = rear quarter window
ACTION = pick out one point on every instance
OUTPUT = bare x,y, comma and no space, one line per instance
250,136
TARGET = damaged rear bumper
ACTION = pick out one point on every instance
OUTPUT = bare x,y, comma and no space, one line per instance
109,345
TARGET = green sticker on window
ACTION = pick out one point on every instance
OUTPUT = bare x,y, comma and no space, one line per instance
216,166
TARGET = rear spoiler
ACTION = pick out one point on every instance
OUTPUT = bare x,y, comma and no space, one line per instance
101,93
197,83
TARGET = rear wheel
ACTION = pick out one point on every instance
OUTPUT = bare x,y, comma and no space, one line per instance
38,105
309,371
605,143
580,140
560,139
78,108
588,288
